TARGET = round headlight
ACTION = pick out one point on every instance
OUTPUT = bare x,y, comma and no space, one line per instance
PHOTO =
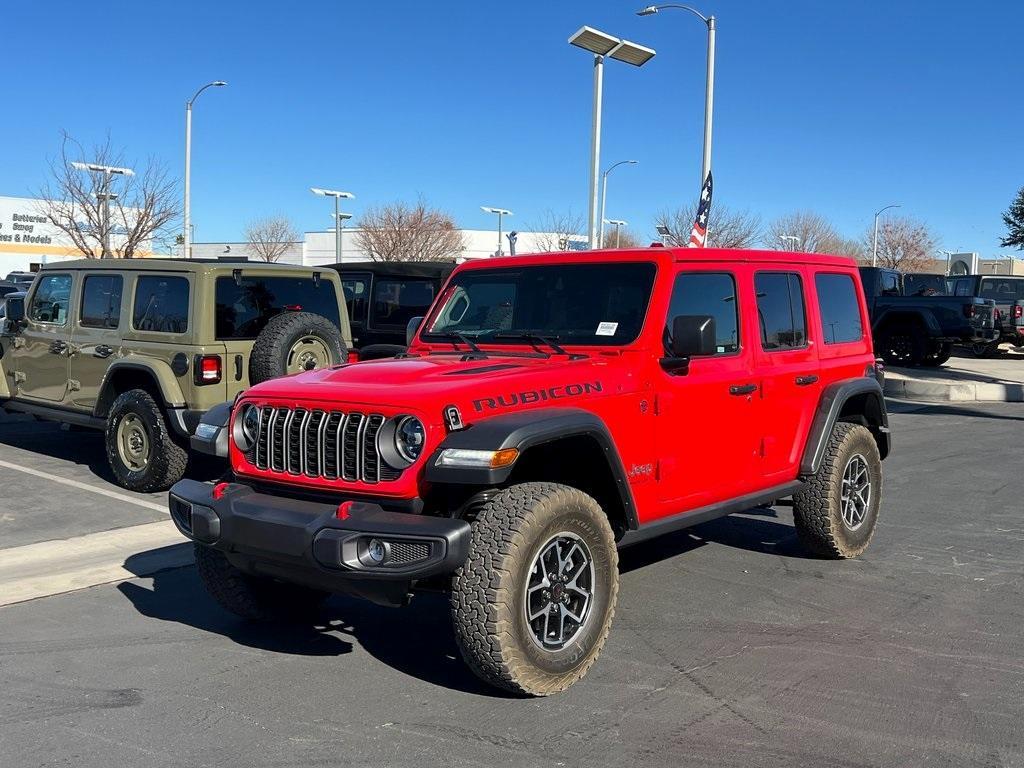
248,427
409,438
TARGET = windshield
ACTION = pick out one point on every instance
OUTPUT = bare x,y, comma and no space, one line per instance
572,303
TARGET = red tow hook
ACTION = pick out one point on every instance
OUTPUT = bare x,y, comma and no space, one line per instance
344,510
219,490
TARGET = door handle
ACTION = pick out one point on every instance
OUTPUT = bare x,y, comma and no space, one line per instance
59,347
804,381
742,389
103,350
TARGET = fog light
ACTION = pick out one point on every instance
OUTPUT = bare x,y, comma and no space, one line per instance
376,551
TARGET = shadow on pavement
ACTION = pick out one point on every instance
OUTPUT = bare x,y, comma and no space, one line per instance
417,640
750,531
950,409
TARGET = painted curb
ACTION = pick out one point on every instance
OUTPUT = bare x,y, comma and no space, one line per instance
897,385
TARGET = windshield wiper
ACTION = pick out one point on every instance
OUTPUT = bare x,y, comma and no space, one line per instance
550,340
476,352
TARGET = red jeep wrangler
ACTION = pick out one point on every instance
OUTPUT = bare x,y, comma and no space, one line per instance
549,410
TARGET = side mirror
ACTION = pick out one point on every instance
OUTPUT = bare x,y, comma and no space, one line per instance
410,329
692,336
14,309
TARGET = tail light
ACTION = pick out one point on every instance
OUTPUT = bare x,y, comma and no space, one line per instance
968,310
353,356
208,369
1018,311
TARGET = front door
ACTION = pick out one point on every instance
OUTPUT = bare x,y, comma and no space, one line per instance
96,336
788,361
708,437
41,354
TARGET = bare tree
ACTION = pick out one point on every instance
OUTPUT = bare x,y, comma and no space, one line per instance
553,231
903,244
625,239
400,232
804,232
142,206
271,237
726,228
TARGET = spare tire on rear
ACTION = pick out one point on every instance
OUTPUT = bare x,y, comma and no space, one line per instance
294,342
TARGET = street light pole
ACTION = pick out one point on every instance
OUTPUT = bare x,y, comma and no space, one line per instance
104,196
785,238
500,212
874,237
709,78
187,212
337,215
602,44
339,233
604,195
617,223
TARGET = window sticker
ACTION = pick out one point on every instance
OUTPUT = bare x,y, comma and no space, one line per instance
606,329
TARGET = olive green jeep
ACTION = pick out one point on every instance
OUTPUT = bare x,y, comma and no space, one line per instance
143,348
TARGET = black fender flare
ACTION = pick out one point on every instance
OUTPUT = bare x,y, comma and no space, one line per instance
925,316
830,405
524,430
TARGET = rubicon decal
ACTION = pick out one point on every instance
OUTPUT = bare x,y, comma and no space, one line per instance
537,395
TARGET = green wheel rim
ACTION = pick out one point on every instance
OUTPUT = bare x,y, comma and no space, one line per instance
308,354
133,443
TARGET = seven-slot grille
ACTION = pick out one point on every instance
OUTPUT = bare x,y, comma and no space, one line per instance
330,444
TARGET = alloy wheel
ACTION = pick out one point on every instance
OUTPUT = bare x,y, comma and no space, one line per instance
559,592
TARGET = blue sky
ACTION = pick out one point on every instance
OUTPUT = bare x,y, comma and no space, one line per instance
837,107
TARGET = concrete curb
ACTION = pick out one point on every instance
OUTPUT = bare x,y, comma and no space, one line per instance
932,390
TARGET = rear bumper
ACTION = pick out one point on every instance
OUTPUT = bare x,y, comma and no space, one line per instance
307,543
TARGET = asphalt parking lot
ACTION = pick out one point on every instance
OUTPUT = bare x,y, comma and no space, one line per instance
730,646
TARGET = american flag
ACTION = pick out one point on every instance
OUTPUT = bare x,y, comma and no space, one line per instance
699,232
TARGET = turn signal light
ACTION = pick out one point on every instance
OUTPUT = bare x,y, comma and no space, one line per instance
1018,311
208,369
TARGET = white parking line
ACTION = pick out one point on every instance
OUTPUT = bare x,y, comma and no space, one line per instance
85,487
54,567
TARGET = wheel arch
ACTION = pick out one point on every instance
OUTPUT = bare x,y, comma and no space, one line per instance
897,317
154,377
556,445
858,401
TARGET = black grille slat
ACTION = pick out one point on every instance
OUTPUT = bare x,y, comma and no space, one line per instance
317,443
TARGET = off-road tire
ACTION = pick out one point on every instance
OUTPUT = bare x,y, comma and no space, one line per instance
253,597
938,354
903,344
985,349
817,509
488,591
269,357
167,460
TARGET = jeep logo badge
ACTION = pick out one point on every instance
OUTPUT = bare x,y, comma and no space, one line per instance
452,418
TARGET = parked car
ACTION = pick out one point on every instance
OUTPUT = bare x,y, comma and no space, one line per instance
550,409
921,329
142,348
1005,291
23,279
381,298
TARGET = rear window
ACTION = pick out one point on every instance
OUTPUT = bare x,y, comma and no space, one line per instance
245,306
780,310
161,304
397,300
101,301
839,308
1001,290
925,285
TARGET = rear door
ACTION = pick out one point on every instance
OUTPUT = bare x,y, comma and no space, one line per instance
96,335
788,360
41,354
395,300
708,437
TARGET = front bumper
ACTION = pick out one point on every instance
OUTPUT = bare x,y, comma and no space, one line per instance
307,543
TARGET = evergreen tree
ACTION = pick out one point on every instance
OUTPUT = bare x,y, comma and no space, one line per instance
1014,220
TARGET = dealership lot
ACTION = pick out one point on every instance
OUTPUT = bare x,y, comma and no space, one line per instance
730,647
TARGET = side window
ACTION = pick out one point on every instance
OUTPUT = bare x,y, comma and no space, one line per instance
101,301
355,290
839,308
396,302
708,293
780,310
51,300
161,304
890,284
963,288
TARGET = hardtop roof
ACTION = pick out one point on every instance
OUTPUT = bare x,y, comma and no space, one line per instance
176,265
435,269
